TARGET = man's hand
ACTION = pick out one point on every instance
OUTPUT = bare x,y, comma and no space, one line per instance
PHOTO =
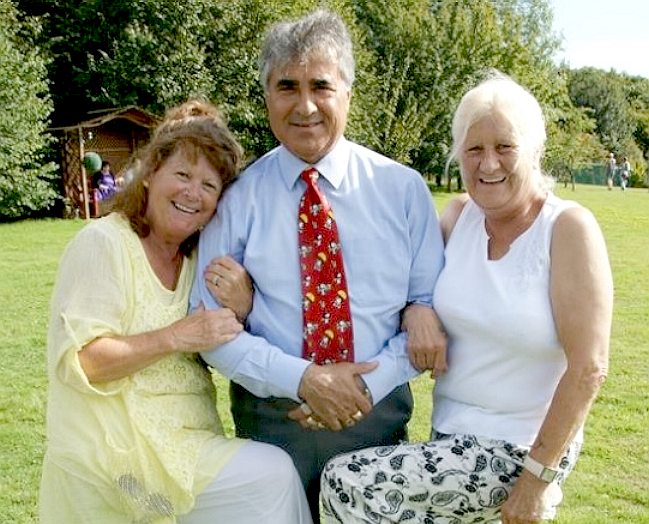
334,396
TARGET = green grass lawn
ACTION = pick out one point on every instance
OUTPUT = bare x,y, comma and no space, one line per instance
609,485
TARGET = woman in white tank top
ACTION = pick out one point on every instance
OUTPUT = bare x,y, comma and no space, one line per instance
526,299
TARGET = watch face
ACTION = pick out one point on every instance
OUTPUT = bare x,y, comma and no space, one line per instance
548,475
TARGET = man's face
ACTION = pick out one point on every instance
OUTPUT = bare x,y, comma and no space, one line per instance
307,107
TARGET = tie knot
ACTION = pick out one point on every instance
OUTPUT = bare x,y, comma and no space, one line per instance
310,175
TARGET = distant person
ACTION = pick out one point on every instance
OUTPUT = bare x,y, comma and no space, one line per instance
625,173
133,434
104,183
610,170
526,296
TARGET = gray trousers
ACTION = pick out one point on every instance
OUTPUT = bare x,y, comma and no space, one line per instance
265,420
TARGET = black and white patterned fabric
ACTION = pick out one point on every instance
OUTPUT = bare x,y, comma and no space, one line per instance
451,479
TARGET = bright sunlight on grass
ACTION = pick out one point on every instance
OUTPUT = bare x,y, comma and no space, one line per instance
609,485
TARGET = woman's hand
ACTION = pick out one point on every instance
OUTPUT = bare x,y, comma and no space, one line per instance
112,358
230,284
530,501
426,339
203,329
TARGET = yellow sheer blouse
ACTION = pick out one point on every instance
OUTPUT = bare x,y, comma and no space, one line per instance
138,449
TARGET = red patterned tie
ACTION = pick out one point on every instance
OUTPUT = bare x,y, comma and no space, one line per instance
327,331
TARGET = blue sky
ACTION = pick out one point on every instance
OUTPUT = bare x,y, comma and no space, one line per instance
604,34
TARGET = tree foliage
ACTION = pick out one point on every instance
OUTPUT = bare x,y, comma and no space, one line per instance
25,177
426,55
637,95
415,58
619,105
603,94
159,59
112,53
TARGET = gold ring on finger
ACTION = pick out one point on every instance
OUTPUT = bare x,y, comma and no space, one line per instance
215,280
358,416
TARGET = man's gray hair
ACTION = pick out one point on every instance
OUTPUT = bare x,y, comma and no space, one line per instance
320,34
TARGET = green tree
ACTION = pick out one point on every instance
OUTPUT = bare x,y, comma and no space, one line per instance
112,53
637,94
427,54
25,177
158,58
603,95
415,58
73,32
619,104
572,141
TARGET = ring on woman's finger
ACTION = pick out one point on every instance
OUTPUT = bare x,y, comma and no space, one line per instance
358,415
306,409
215,280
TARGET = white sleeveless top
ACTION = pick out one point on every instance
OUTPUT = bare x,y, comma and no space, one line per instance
505,359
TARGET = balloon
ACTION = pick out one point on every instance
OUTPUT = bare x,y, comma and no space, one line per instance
92,162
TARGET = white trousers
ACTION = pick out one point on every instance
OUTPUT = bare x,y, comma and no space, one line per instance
259,485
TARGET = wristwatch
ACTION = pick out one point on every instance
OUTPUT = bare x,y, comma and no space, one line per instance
540,471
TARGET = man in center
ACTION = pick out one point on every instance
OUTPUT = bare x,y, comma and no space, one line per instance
338,241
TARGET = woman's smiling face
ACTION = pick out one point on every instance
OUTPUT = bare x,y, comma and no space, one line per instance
489,158
183,193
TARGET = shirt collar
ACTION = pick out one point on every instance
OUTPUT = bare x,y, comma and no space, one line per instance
333,166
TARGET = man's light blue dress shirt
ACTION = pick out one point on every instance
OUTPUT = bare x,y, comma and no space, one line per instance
392,250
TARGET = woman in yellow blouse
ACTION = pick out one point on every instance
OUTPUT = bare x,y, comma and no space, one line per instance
132,428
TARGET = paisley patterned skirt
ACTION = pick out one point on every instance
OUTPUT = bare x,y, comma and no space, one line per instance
452,479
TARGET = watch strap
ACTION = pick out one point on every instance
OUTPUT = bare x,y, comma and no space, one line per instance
540,471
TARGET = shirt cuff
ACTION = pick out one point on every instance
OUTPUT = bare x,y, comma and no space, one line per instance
394,369
289,370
